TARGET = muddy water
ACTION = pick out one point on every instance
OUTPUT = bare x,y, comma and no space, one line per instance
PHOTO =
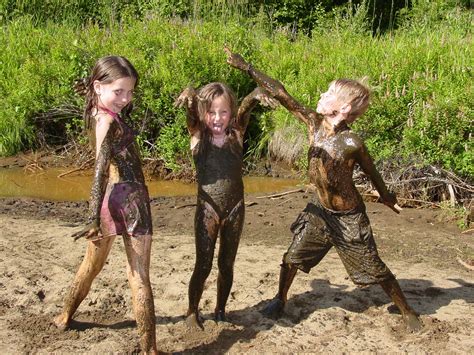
76,187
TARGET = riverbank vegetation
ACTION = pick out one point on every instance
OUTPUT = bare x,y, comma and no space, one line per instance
416,54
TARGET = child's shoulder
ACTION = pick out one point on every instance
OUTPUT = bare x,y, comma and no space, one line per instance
105,123
352,138
103,118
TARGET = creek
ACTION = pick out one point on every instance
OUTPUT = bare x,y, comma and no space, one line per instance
45,184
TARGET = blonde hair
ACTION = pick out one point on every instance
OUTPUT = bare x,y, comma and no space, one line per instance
353,92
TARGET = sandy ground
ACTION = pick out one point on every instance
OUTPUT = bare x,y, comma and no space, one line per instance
326,312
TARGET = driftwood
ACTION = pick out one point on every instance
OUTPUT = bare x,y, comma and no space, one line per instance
282,194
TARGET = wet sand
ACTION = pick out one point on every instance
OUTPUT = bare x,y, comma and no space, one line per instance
325,313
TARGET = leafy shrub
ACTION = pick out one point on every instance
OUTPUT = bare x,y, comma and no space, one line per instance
420,74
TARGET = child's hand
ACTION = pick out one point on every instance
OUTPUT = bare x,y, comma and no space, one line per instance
236,60
396,208
90,232
185,98
390,200
265,99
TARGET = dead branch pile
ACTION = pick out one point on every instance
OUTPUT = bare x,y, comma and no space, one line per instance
51,125
62,147
78,153
33,164
417,185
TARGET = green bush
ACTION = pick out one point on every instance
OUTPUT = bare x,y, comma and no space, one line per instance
420,74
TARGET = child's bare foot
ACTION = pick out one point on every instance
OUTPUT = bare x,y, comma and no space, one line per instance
61,323
274,309
193,321
412,322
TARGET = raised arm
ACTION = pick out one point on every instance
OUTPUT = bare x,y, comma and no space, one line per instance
309,117
248,104
366,163
188,99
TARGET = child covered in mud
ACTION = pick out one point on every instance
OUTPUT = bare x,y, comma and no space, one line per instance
337,218
217,129
119,202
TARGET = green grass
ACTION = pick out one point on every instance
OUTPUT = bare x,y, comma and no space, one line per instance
421,76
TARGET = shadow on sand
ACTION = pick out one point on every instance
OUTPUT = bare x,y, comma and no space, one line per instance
421,294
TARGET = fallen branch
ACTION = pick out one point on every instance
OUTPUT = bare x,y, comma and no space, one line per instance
281,203
83,165
466,265
419,201
33,168
184,206
452,197
282,194
15,183
406,199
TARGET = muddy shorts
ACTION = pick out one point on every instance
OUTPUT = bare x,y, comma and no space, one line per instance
317,229
126,210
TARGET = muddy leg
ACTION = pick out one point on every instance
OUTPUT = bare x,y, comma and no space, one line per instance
275,308
138,271
93,262
230,238
393,290
206,224
309,246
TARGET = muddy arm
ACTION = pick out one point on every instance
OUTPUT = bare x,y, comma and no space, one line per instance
188,98
248,104
99,184
101,177
367,164
276,89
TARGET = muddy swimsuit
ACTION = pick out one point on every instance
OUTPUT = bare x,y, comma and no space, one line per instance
220,208
220,187
317,229
124,208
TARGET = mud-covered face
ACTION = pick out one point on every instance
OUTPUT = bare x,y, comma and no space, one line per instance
115,95
329,103
218,116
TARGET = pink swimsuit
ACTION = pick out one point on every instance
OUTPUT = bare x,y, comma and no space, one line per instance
126,210
125,206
